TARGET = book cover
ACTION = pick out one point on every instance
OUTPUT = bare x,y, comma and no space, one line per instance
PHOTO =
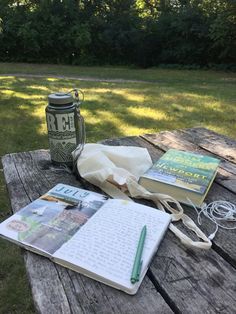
188,171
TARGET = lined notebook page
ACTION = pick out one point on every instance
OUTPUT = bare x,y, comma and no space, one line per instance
107,243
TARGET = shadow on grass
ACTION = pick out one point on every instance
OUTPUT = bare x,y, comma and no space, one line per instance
114,109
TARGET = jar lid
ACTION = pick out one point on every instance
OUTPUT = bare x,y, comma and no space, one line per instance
60,98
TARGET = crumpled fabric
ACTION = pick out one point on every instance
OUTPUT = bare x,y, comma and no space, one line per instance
117,169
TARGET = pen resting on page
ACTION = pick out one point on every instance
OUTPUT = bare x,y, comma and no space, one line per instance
137,266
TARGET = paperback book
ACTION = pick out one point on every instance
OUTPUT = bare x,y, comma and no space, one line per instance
183,175
89,233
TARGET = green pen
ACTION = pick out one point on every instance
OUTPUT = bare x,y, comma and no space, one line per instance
137,261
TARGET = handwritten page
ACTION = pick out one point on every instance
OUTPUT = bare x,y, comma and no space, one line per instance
106,245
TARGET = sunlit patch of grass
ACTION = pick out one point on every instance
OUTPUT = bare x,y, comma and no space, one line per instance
130,95
38,87
104,116
19,95
194,96
148,113
99,90
123,103
39,112
135,131
51,79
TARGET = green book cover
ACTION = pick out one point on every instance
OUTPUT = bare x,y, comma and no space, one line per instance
190,171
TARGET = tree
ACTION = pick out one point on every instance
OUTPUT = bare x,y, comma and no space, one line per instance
139,32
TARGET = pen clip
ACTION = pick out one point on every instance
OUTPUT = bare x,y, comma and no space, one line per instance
136,278
139,270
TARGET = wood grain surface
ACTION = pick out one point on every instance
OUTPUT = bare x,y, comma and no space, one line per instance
180,280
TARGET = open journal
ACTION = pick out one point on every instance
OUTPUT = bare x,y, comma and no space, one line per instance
89,233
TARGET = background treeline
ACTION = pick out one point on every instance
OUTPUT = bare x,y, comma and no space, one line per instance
141,33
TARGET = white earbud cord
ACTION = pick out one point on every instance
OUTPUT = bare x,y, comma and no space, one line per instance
221,213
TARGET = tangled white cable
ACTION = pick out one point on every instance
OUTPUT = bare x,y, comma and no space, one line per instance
222,213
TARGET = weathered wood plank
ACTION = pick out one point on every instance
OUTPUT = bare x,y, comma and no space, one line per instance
190,281
225,190
195,281
224,241
47,289
226,175
55,290
14,183
98,298
215,143
185,284
226,163
180,139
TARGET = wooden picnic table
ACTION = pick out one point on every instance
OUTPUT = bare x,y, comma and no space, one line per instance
179,280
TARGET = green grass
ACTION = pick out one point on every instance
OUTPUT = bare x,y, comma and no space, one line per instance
170,99
151,74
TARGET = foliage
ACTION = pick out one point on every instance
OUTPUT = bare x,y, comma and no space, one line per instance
139,32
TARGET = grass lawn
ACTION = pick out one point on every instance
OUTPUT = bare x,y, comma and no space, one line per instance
169,99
